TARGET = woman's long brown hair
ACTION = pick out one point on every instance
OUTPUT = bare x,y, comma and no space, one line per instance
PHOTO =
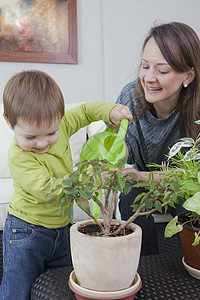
180,46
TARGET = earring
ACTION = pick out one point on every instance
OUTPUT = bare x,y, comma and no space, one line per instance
185,85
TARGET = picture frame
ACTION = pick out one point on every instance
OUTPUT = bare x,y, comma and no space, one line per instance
38,31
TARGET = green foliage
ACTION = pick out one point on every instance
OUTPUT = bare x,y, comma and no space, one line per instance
84,184
193,203
180,184
197,239
172,227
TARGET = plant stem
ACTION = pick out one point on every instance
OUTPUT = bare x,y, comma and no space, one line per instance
96,221
107,194
139,213
113,205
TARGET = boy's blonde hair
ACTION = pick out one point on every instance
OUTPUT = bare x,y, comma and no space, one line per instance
34,97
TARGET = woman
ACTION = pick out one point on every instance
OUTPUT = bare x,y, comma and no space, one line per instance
165,102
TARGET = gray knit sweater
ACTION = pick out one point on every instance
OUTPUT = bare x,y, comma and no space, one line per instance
150,138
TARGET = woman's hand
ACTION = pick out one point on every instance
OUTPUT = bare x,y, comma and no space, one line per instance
119,112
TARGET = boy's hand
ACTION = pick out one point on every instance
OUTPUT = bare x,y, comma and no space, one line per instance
118,113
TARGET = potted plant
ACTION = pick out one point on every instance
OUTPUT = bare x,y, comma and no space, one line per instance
105,252
181,183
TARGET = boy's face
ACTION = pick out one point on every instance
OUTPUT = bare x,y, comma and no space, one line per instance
34,138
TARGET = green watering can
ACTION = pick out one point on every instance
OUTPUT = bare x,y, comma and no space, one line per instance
105,145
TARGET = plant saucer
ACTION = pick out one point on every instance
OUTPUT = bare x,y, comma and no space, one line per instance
192,271
92,294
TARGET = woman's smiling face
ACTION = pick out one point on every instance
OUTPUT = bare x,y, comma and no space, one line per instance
159,81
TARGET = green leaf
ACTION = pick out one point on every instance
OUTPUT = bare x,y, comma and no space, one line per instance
127,189
189,155
172,227
83,194
83,165
165,196
121,163
165,209
122,182
183,143
193,203
60,197
149,203
70,213
89,194
83,204
197,239
66,191
158,206
135,207
192,187
67,182
174,197
65,207
139,196
156,193
187,140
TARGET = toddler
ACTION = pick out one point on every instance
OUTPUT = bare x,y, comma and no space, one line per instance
35,236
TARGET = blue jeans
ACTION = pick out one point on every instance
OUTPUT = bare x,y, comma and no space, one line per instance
29,250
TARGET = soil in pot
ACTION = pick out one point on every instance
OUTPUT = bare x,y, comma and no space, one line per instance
95,230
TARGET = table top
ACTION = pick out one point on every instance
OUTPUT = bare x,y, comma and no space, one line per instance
163,277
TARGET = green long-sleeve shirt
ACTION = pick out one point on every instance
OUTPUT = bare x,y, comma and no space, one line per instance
34,174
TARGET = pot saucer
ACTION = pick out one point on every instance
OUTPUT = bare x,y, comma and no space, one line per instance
193,272
91,294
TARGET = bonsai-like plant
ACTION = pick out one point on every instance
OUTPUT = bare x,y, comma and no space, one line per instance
84,184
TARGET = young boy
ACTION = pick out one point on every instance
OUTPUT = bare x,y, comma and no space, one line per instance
35,237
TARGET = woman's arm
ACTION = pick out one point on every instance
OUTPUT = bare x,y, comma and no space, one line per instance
143,175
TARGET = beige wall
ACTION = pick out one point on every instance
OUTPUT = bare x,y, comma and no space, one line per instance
110,35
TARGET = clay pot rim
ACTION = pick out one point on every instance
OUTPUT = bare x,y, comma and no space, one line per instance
136,228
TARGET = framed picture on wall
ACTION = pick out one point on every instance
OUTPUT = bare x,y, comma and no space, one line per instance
43,31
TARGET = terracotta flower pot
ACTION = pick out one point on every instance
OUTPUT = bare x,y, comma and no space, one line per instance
105,263
84,294
191,253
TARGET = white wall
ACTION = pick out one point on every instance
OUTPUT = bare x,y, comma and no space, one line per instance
110,35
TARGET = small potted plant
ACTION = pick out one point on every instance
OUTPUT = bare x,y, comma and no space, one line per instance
181,183
105,252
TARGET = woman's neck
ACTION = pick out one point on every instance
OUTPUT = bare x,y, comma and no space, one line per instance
163,110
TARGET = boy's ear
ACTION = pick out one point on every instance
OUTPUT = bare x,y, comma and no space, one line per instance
7,121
